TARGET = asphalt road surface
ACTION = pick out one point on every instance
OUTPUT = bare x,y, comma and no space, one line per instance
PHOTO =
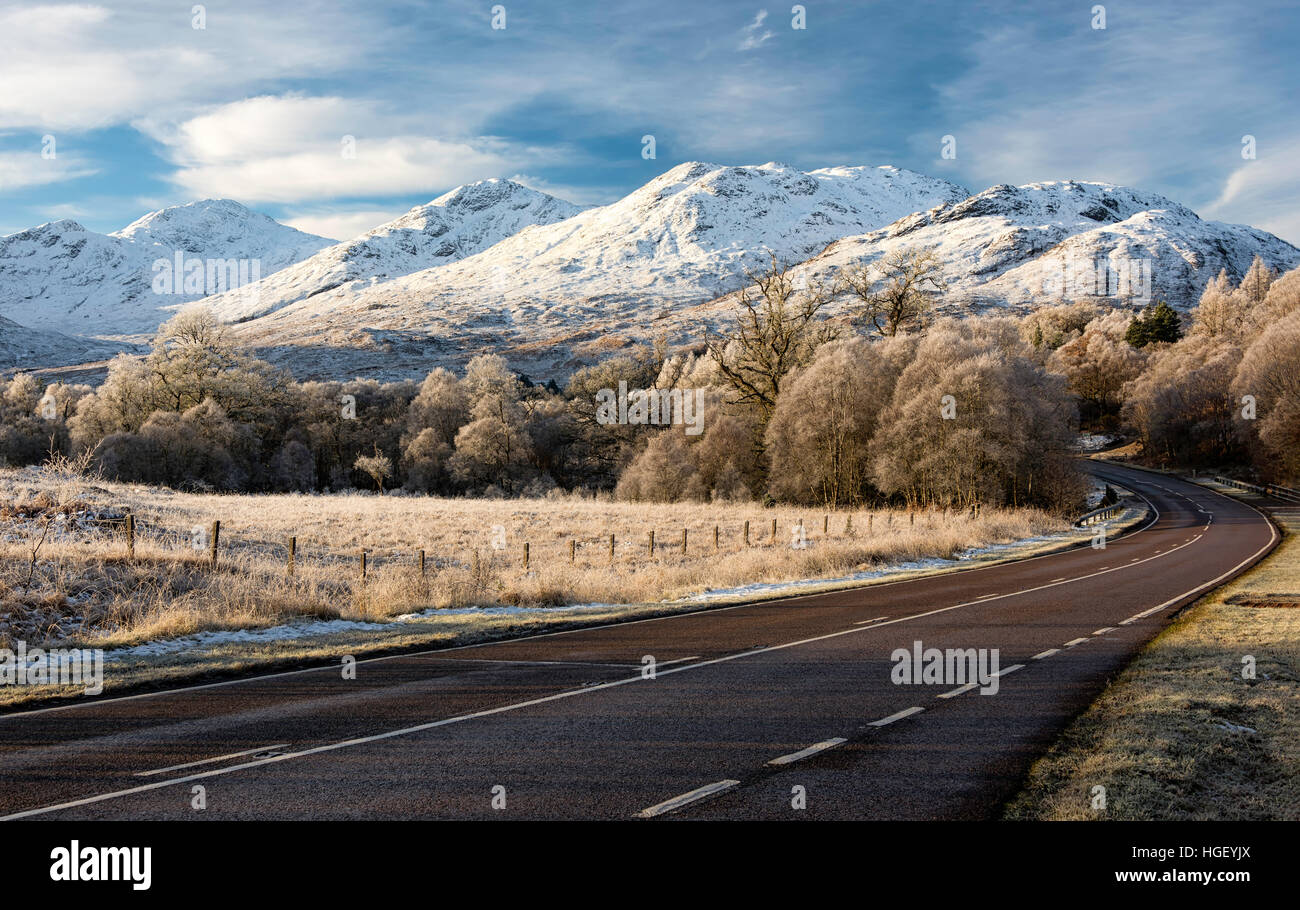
751,710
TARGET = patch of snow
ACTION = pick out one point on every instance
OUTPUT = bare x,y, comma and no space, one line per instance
295,630
1095,442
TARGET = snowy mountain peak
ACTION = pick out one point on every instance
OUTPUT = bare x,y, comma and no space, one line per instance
454,226
467,202
224,223
50,229
1060,202
64,277
485,193
1044,243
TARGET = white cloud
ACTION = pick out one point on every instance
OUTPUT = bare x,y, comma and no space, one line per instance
340,225
77,67
1037,103
1263,192
23,169
292,148
64,210
578,195
754,35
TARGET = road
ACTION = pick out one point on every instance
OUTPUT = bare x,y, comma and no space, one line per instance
566,725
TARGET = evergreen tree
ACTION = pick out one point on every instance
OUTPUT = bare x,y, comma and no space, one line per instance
1157,324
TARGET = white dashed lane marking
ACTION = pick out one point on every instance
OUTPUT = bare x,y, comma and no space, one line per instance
886,721
699,793
814,749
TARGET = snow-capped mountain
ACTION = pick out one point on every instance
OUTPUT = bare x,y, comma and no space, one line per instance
64,277
1049,242
682,239
495,266
458,224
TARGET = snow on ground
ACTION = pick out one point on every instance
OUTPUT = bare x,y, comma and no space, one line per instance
296,630
916,565
1095,442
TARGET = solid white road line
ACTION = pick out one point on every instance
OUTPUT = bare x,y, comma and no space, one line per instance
886,721
1011,669
672,805
814,749
869,621
1048,653
208,761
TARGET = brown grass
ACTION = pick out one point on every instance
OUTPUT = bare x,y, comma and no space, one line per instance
84,590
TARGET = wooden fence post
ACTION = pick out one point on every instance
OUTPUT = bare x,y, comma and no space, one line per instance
212,543
826,525
573,551
293,550
683,541
525,556
773,531
715,538
747,533
130,536
871,518
421,563
611,549
848,526
652,543
363,565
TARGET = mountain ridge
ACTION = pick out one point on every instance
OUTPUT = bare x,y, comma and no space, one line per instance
494,265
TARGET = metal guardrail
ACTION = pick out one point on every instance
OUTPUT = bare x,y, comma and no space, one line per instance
1269,489
1101,514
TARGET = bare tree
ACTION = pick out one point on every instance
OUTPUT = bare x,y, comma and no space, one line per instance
778,330
897,292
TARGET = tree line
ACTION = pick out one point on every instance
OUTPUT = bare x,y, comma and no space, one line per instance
881,403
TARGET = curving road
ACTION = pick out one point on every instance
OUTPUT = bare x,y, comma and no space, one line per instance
750,709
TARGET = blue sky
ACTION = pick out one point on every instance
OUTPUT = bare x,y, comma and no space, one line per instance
145,110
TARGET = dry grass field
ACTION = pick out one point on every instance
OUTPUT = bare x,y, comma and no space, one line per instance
66,575
1181,735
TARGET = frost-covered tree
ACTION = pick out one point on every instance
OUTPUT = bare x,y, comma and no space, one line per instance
819,437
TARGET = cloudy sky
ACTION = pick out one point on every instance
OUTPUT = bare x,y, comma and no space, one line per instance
110,110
